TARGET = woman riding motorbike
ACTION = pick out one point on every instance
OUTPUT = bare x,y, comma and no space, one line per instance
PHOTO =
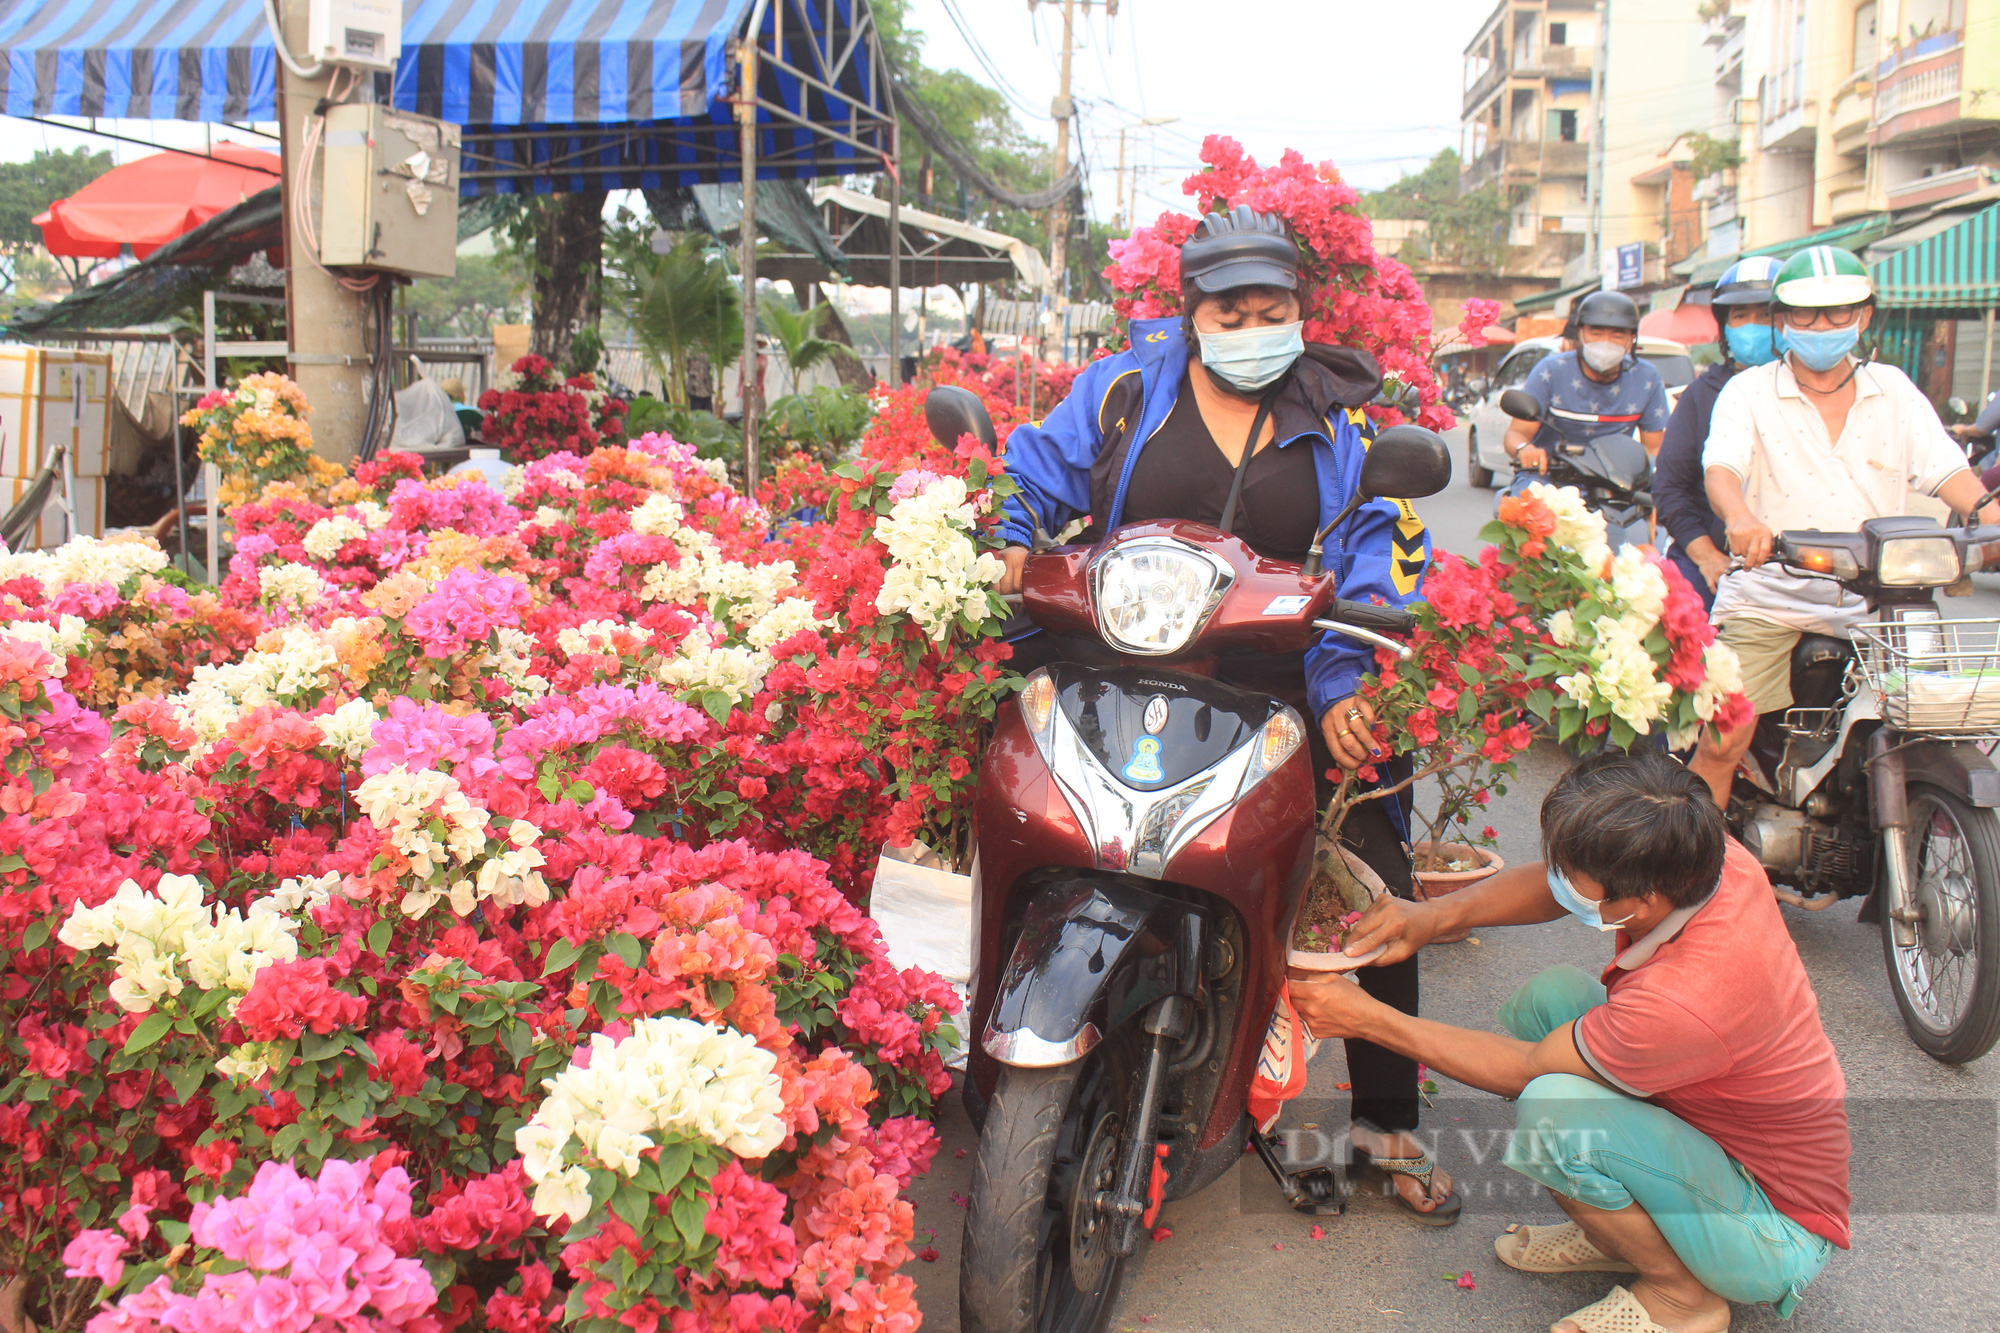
1226,417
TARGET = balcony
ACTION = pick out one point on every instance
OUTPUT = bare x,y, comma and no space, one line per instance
1525,160
1851,202
1483,87
1792,129
1917,91
1853,113
1940,187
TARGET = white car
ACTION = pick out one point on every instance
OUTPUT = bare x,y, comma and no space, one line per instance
1486,462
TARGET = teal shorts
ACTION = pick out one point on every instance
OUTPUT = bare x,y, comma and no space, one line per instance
1608,1150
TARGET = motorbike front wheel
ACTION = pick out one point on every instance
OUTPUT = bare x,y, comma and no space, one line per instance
1947,983
1038,1256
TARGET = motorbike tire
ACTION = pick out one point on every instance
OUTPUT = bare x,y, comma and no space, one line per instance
1476,473
1015,1269
1955,880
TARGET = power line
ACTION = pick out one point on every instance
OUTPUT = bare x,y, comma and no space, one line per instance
986,62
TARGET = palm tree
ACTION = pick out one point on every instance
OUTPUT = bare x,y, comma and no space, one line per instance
797,333
681,304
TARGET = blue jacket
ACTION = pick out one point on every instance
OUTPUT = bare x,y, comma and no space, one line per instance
1380,551
1680,491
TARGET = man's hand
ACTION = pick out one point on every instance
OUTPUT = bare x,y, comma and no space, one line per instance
1350,733
1336,1007
1396,925
1709,559
1015,558
1531,458
1749,539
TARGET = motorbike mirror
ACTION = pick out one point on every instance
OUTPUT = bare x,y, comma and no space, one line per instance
952,412
1405,462
1520,405
1957,406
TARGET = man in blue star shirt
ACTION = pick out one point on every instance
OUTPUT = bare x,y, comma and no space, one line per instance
1598,389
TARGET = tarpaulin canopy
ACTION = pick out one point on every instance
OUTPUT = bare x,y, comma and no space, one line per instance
146,203
553,95
169,279
934,249
1689,324
1956,269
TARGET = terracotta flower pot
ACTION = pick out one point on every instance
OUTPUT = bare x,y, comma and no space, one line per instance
1436,883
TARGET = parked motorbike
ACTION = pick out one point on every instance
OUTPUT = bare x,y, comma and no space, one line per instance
1145,835
1875,783
1608,465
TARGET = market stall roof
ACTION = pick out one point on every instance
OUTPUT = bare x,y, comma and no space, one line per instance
553,95
935,249
1857,236
1957,268
146,203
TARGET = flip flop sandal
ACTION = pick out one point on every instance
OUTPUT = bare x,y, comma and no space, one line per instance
1620,1312
1420,1169
1561,1249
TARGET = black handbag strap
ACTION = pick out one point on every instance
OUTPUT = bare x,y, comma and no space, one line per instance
1243,464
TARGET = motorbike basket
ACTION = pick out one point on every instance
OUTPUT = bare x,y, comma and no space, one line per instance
1941,677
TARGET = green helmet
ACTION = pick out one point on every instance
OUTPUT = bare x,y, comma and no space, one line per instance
1822,275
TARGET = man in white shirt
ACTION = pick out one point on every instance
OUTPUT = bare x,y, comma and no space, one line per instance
1820,440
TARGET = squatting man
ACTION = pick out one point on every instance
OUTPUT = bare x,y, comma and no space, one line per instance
1685,1110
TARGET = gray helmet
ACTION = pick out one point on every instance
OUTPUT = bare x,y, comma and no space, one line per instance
1605,310
1240,248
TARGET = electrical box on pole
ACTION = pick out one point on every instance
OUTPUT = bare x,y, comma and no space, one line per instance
366,34
391,191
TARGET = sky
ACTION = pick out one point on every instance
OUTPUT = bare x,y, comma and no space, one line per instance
1374,86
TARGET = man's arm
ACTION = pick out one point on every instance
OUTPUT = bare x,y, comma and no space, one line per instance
1747,537
1651,439
1485,1060
1962,490
1516,896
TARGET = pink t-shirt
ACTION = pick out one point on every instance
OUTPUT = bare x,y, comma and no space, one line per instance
1711,1017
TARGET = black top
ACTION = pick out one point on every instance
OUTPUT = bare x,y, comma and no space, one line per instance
1680,492
1183,474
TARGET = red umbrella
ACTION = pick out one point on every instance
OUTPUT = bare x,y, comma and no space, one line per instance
1689,324
145,204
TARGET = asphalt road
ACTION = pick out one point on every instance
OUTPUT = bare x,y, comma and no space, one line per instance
1927,1195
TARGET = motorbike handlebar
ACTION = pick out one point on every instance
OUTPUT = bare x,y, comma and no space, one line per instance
1367,615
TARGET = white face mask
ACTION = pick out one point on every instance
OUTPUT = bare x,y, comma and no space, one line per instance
1603,357
1251,359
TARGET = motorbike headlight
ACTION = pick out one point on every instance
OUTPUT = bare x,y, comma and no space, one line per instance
1152,596
1917,562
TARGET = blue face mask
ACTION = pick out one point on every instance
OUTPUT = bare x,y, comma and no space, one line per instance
1578,906
1822,349
1251,359
1752,344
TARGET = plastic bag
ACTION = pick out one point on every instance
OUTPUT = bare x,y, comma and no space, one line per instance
426,418
1281,1065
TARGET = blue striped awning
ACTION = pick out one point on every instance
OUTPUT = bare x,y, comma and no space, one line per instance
1953,270
552,94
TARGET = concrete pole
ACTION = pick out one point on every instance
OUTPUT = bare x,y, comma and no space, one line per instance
1595,170
895,376
1059,212
1120,179
746,118
326,325
1986,367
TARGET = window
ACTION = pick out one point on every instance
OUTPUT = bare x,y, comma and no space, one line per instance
1514,370
1559,34
1864,37
1562,126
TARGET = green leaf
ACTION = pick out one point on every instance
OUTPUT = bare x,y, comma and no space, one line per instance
151,1028
1541,702
10,863
631,1204
174,1233
718,704
581,791
563,955
378,937
549,787
37,933
690,1215
1566,725
721,994
626,947
188,1078
1467,674
675,1158
315,1047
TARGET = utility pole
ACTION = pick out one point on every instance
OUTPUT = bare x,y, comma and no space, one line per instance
325,323
746,120
1062,110
1119,222
1594,177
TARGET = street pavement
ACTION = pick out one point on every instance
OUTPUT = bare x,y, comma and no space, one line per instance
1926,1217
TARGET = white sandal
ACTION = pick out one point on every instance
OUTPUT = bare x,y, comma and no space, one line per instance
1619,1312
1559,1249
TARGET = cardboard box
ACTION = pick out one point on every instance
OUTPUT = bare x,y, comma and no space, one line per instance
52,529
41,391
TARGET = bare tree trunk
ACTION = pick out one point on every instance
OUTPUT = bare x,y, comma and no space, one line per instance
852,371
569,266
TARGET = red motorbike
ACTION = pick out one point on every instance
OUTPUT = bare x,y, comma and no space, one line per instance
1145,834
